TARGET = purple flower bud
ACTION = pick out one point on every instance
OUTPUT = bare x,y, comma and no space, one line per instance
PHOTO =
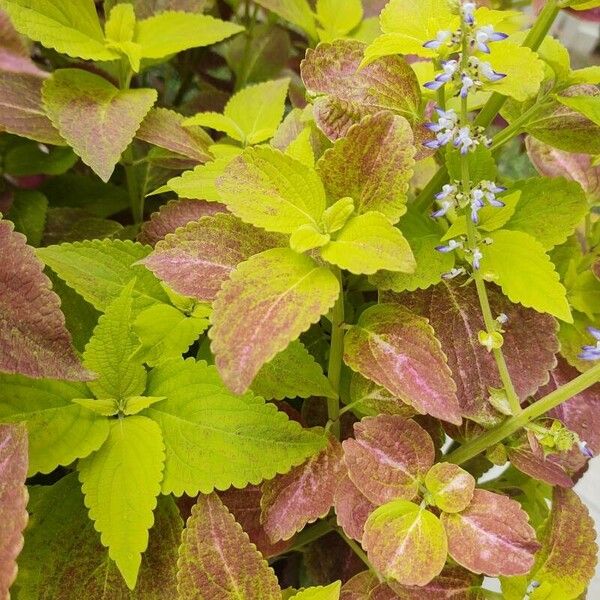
452,245
441,38
477,256
432,144
591,353
585,450
595,332
468,12
434,85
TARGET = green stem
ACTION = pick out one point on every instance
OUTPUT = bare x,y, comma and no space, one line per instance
537,409
336,355
311,534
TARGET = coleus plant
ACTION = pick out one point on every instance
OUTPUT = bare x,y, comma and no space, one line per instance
279,269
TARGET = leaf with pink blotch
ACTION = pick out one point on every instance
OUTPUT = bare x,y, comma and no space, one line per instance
162,128
387,457
267,303
492,536
451,488
196,259
14,54
175,214
373,165
397,349
13,501
352,508
33,338
406,543
244,505
305,494
217,561
345,94
530,343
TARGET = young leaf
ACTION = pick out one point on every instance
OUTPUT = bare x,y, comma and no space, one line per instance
372,164
305,494
352,508
63,556
398,350
109,352
13,501
345,94
252,115
535,284
491,536
200,183
338,18
163,128
406,543
535,464
121,482
271,190
21,110
97,119
217,560
330,592
99,270
171,32
269,301
530,343
72,28
423,235
60,432
202,421
293,373
388,457
197,259
33,338
451,487
297,12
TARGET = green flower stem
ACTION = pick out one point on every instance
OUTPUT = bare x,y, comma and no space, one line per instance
488,113
484,302
336,355
513,424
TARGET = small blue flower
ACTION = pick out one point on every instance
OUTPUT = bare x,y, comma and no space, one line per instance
464,140
592,352
467,84
477,256
441,38
444,128
486,34
485,69
585,449
452,245
445,206
502,318
468,12
449,69
456,272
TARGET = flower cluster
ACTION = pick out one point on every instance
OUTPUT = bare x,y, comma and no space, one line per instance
592,352
474,254
483,193
447,129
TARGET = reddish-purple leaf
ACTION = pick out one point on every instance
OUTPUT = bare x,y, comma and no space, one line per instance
530,343
33,338
198,258
346,93
303,495
366,586
453,583
21,110
13,501
567,561
14,55
330,558
492,536
552,162
352,508
451,487
244,505
175,214
374,399
372,165
398,349
162,128
387,457
581,413
217,561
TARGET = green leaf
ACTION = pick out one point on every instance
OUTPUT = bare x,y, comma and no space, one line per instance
268,302
202,421
60,432
482,166
107,407
121,482
252,115
372,164
293,373
217,560
338,18
268,189
370,243
423,235
451,487
120,24
28,158
63,556
165,332
405,543
109,352
535,283
337,215
329,592
172,32
199,184
71,28
99,270
97,119
308,237
28,213
297,12
588,106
